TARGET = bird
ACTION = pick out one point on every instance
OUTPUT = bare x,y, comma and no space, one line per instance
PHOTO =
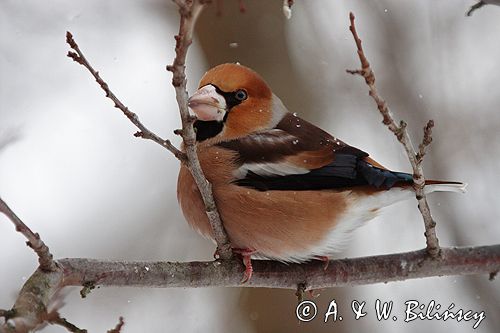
285,189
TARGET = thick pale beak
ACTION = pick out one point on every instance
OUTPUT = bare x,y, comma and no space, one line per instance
207,104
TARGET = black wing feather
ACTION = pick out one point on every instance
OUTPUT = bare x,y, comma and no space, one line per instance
330,176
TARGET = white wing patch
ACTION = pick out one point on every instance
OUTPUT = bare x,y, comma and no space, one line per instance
269,138
269,169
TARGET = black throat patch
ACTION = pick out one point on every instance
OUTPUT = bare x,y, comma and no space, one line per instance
207,129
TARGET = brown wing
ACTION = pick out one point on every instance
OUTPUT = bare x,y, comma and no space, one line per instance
297,155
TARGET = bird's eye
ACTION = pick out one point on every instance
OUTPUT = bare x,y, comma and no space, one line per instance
241,95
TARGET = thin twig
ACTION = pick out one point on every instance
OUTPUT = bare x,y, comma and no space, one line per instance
56,319
118,327
44,256
144,132
475,7
426,141
403,137
189,14
301,288
6,313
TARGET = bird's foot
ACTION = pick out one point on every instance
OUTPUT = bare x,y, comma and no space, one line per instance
325,261
314,293
246,255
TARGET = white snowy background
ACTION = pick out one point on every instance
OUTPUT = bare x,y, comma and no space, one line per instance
71,169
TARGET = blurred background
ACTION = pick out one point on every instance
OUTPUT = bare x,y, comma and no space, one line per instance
70,167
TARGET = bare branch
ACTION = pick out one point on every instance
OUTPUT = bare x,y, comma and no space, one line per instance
301,288
38,299
118,327
480,4
144,132
272,274
403,137
36,295
474,7
44,256
7,314
8,137
426,141
56,319
189,14
35,299
35,304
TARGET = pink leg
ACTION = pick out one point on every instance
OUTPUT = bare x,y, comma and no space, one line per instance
313,293
246,255
325,260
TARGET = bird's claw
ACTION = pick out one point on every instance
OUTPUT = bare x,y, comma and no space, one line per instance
325,261
246,255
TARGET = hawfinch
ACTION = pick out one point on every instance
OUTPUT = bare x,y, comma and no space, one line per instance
285,189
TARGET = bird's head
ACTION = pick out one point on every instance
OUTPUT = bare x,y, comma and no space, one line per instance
233,101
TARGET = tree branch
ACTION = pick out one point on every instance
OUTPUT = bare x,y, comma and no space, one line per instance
36,296
272,274
55,319
475,7
189,12
404,138
118,327
480,4
37,301
44,256
144,132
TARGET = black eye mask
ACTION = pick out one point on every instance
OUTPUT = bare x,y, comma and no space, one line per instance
232,98
209,129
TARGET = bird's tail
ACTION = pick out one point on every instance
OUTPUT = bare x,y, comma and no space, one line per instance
386,179
444,186
404,190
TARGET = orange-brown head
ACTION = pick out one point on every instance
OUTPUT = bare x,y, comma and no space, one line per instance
233,101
